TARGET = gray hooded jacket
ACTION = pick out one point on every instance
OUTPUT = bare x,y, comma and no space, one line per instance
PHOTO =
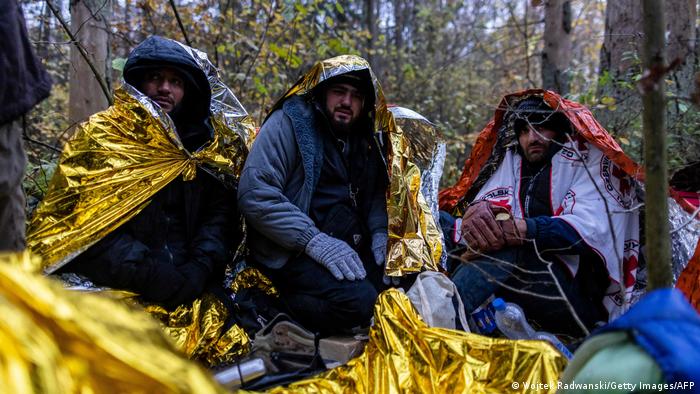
278,181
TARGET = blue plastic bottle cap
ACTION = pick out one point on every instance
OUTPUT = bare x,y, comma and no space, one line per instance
499,304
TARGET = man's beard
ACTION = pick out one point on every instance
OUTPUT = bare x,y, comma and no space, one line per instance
342,126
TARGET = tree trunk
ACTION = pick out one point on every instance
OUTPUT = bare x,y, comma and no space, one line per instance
89,25
681,17
622,47
556,55
656,219
44,33
618,64
371,28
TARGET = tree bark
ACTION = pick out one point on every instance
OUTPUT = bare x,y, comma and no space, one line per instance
622,47
370,19
621,44
89,26
681,18
44,33
656,219
556,55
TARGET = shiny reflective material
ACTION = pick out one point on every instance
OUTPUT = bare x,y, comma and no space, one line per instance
58,341
115,163
414,238
250,277
109,170
404,355
198,331
428,148
685,234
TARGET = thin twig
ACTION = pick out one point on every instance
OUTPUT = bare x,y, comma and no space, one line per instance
45,145
687,222
261,40
490,278
561,291
179,22
83,53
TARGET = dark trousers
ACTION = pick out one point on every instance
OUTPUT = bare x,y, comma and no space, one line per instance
519,275
319,301
322,303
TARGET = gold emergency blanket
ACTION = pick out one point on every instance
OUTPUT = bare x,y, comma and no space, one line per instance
414,241
404,355
58,341
198,331
110,169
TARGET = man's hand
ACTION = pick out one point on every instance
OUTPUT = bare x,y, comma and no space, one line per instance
337,256
513,229
480,229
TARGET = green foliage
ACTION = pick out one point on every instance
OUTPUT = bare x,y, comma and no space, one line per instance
451,61
37,177
118,64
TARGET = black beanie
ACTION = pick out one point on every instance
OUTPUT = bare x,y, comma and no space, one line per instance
533,110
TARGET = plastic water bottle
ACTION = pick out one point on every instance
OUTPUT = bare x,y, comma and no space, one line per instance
551,338
510,320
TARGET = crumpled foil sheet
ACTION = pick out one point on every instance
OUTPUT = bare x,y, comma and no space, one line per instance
58,341
414,241
198,331
114,164
404,355
429,150
120,157
685,234
685,243
250,277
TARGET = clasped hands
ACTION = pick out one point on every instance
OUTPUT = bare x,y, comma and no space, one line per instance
487,227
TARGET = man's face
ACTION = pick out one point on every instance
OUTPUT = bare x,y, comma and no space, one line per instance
344,104
535,142
165,86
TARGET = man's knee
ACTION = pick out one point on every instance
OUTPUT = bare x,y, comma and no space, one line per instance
356,303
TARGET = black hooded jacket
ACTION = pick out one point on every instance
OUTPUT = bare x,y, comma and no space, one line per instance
180,242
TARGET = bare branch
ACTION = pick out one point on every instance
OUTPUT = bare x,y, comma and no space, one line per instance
561,291
687,222
261,40
82,51
45,145
179,22
490,278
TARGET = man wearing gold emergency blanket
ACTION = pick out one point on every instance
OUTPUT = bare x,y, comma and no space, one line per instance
144,195
314,193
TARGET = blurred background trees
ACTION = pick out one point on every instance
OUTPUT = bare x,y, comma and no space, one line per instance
450,60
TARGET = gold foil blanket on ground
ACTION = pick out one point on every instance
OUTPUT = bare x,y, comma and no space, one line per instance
414,239
404,355
198,330
55,341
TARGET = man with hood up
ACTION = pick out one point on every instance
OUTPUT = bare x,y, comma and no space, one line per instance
313,193
182,237
142,198
170,250
545,204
